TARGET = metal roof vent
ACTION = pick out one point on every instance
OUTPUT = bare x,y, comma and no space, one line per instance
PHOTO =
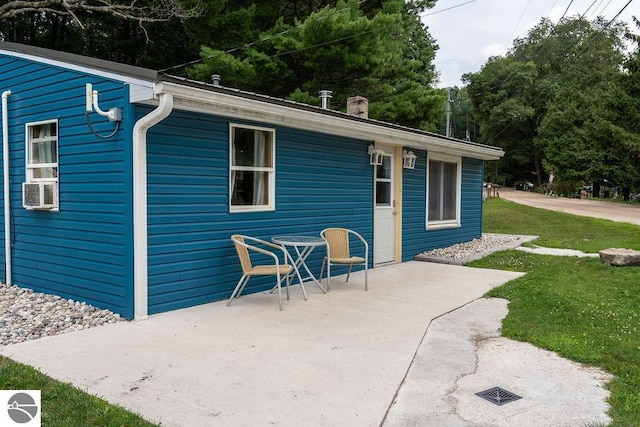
325,97
215,79
498,395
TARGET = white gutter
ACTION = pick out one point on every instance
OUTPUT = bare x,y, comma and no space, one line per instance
229,105
140,265
7,190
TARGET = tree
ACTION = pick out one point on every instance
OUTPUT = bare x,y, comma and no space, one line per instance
626,124
553,103
164,10
379,50
583,140
146,33
504,96
285,48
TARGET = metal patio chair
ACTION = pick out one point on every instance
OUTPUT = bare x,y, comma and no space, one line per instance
338,253
243,247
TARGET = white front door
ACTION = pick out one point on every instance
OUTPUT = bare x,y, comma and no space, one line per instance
385,211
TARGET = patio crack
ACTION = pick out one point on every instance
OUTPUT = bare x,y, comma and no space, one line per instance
477,339
449,392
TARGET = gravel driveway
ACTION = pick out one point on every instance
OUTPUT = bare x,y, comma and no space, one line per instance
592,208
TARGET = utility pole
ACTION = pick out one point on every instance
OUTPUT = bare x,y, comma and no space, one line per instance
467,133
448,129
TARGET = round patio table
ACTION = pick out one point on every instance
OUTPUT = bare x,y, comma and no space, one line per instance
303,246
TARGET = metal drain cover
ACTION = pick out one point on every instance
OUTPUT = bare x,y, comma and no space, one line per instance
498,395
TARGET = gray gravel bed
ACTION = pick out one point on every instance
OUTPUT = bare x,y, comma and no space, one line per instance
463,253
26,315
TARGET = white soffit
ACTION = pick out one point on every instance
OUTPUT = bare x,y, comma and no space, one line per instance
205,101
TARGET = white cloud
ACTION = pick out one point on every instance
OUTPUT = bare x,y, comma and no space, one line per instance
494,49
556,13
469,34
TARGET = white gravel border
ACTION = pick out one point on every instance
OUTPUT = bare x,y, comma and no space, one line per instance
27,315
463,253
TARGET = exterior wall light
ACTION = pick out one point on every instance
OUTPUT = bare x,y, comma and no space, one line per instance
375,156
408,159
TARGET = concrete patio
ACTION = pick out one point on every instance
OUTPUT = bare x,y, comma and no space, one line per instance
404,353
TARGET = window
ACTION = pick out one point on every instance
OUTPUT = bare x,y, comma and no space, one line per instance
42,152
383,182
252,169
443,197
42,161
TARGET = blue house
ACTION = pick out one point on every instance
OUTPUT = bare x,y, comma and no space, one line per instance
122,185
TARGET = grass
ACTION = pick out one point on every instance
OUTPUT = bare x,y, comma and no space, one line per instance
63,404
581,308
557,230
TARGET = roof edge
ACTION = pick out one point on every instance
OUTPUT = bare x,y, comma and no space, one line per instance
182,81
80,60
228,102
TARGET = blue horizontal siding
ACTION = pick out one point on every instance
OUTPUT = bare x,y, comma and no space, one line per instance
416,238
85,250
82,252
321,181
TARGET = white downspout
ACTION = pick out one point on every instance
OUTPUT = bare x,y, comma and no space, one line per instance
7,189
140,274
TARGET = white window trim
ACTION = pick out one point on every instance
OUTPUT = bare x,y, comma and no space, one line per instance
451,223
271,206
28,170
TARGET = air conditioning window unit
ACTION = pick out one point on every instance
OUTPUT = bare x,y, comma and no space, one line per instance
39,195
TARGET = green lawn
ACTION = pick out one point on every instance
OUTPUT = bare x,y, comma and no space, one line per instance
580,308
63,404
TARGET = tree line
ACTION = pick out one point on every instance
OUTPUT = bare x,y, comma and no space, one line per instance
290,49
564,103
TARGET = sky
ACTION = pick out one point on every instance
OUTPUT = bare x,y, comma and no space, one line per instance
470,31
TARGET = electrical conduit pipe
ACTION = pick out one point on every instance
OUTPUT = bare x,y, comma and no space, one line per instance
140,274
7,188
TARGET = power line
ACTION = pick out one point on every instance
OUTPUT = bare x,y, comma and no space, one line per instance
590,6
518,23
353,35
597,36
275,55
513,74
598,5
590,42
328,42
425,14
604,8
244,46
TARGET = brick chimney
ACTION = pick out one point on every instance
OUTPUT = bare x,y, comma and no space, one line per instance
358,106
